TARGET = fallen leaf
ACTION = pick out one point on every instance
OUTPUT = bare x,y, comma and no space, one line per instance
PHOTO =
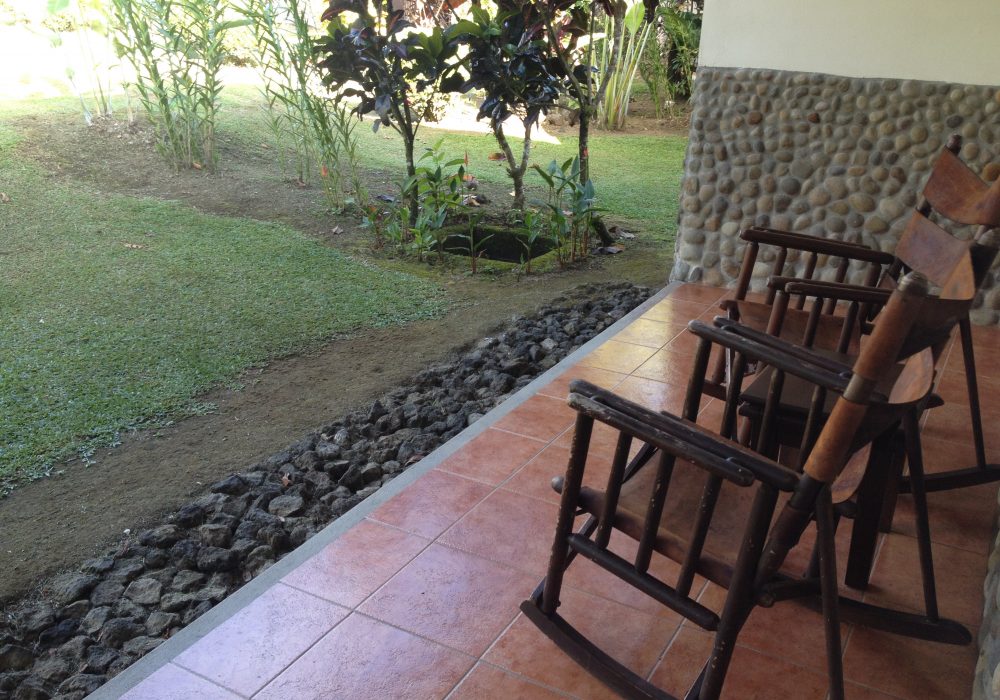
336,231
626,236
196,165
4,198
134,246
497,156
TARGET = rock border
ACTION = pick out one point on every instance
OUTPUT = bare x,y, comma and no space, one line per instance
88,625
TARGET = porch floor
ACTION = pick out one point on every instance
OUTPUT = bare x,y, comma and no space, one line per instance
420,598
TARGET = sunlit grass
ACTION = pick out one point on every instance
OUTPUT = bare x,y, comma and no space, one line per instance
118,310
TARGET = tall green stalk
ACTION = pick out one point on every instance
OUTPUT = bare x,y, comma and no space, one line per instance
176,48
619,60
312,130
91,17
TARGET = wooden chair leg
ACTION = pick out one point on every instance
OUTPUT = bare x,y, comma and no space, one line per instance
972,382
567,512
914,455
864,534
827,547
982,472
740,600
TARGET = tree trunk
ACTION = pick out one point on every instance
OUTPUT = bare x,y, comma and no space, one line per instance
411,170
525,155
584,145
516,175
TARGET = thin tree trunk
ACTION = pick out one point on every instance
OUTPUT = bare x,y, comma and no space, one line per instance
512,169
411,170
525,155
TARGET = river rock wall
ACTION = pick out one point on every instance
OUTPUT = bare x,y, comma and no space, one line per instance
838,157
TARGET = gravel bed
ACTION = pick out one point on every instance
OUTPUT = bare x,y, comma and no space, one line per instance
85,626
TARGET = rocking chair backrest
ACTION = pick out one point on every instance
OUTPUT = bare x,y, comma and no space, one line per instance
954,268
956,192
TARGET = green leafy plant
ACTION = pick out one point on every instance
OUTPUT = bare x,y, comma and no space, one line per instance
533,232
425,235
509,60
669,61
571,28
371,53
176,49
315,128
619,61
474,242
437,182
568,209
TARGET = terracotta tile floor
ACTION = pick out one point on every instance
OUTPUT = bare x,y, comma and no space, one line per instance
419,600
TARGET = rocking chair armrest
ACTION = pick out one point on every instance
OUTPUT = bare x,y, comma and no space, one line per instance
681,438
830,290
813,244
780,345
771,350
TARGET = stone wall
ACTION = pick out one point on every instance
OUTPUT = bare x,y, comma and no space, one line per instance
837,157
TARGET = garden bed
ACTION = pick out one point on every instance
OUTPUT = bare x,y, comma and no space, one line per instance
495,243
89,624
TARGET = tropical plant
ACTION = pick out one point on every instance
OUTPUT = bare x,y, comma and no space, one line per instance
373,54
437,182
619,61
474,242
568,210
315,127
508,59
533,231
176,48
669,61
571,29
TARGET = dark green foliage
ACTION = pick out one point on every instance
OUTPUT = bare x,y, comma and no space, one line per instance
393,70
509,60
669,62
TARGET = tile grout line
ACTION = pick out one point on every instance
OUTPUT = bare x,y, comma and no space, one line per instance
535,681
207,679
177,663
188,636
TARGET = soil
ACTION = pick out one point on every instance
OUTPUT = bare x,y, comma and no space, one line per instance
54,523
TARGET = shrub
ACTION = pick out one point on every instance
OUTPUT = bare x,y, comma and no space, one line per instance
373,54
177,50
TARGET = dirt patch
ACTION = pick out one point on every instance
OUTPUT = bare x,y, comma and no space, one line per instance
54,523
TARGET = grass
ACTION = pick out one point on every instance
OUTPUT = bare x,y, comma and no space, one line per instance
637,178
118,310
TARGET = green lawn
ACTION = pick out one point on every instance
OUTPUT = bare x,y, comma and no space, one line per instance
118,310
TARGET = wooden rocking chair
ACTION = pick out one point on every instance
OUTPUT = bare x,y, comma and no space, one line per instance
954,193
708,502
956,270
